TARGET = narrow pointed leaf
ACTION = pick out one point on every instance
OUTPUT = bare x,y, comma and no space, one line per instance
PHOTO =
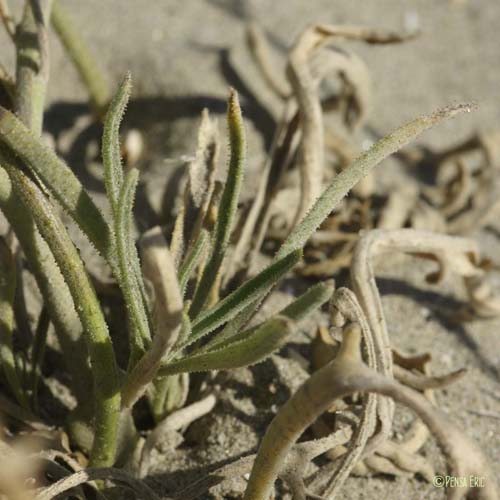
301,307
340,186
113,170
192,259
228,203
315,297
129,262
235,302
159,269
59,179
100,347
343,182
249,351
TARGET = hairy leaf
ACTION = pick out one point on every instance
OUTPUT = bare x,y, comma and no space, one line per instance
192,259
160,271
246,294
309,301
59,179
228,203
102,356
249,351
129,262
345,180
113,170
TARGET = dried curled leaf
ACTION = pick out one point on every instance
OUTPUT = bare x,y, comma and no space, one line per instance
348,374
202,167
308,63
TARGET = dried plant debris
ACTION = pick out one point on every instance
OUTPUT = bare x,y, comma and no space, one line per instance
319,52
462,198
344,376
371,448
365,308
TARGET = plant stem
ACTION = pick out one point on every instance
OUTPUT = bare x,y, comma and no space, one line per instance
49,279
102,357
32,71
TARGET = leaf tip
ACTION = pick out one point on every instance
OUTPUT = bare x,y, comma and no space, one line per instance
454,110
234,114
127,81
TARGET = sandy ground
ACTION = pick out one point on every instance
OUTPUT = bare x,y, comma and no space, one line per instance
194,49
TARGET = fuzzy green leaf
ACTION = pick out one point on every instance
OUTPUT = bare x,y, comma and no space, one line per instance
159,269
192,259
59,179
186,328
341,185
246,294
343,182
301,307
113,170
100,347
51,284
129,262
255,348
315,297
228,204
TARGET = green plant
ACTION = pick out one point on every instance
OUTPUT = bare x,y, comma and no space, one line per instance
181,317
162,343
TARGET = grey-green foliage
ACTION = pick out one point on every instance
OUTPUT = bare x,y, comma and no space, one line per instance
246,294
232,343
359,168
102,356
59,180
251,349
192,259
120,192
297,310
228,203
31,173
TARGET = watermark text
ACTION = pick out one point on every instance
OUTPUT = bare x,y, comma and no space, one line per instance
458,481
